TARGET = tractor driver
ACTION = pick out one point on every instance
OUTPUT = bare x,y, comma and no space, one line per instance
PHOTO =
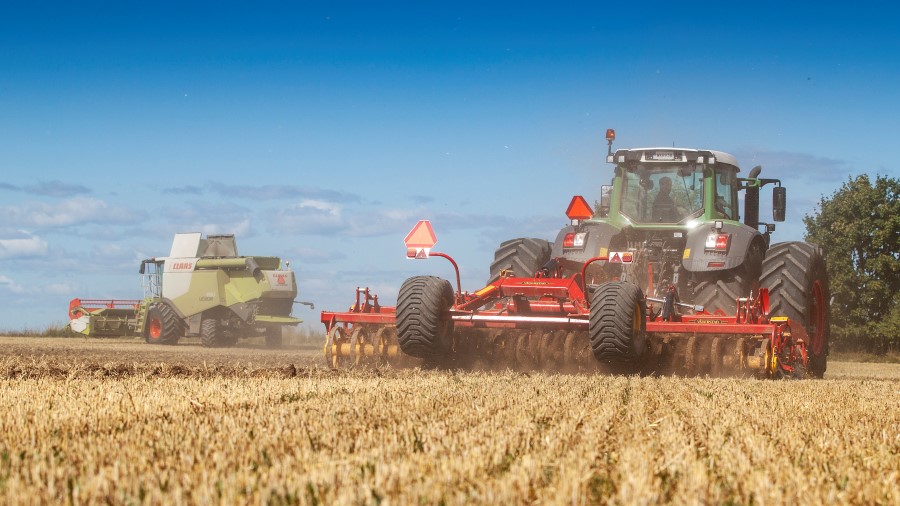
664,210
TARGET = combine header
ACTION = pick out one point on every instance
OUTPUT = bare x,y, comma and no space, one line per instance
203,288
662,281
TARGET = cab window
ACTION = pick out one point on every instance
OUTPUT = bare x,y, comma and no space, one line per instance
662,193
726,194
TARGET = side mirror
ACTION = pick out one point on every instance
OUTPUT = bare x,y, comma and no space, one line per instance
605,198
779,203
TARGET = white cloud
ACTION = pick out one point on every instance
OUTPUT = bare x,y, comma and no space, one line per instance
305,255
28,246
238,228
310,216
10,285
58,289
321,205
74,211
13,286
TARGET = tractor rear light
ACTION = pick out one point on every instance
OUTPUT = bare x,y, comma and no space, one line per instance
573,240
715,265
718,242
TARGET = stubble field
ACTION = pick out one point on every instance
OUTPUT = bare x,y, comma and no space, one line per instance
118,421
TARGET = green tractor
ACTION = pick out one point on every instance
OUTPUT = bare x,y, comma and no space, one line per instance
674,213
203,288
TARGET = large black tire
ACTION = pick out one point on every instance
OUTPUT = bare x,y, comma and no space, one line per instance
618,325
163,325
719,291
795,275
424,327
523,256
274,336
212,334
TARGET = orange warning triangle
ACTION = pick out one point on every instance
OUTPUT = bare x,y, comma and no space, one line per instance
579,209
421,236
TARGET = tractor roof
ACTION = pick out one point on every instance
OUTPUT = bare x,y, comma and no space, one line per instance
672,155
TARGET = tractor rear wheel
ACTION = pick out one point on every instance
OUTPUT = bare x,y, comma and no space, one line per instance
424,326
522,256
274,336
795,274
163,325
618,325
719,291
212,334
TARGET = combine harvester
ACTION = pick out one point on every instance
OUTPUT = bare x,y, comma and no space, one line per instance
203,288
660,277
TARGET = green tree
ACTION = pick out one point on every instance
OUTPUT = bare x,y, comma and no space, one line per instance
858,228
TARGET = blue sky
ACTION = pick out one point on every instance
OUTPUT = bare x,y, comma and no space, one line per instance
322,131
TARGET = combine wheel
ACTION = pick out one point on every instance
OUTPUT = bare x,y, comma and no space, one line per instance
523,256
163,325
274,335
229,338
794,273
618,325
212,334
424,326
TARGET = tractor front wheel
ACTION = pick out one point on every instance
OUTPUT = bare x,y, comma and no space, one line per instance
618,325
163,325
424,326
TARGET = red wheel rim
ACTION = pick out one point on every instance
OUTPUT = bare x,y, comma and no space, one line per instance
155,328
817,319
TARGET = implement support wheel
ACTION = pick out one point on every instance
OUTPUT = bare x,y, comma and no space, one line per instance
618,326
424,326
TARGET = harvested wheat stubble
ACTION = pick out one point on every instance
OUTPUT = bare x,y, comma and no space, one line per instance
114,432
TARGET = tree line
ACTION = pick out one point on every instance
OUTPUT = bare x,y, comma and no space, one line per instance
858,228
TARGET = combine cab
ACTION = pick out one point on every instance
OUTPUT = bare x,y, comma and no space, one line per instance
203,288
659,277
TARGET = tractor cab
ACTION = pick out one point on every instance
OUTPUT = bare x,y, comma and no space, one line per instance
666,186
677,187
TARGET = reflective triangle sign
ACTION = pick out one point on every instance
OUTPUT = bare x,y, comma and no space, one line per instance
421,236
